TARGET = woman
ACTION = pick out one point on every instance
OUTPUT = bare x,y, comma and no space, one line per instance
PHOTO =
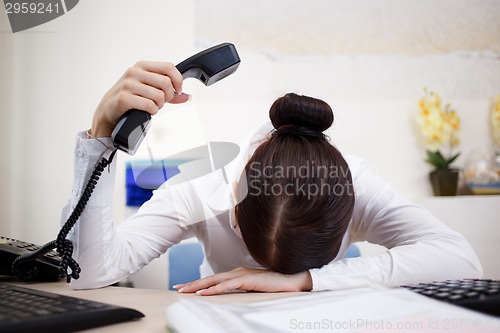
292,207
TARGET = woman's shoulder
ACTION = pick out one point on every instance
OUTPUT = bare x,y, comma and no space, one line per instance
357,164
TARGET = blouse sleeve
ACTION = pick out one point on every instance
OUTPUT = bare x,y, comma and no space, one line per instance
107,254
420,247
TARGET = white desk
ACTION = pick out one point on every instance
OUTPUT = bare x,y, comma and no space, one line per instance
152,303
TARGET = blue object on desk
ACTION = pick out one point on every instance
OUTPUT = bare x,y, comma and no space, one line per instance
143,177
184,261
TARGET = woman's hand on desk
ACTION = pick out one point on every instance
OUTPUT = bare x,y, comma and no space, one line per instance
249,279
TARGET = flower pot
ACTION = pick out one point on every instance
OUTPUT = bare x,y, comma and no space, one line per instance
444,182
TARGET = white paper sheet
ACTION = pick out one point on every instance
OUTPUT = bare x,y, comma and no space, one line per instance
357,310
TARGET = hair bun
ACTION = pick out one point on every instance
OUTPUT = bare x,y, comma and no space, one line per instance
304,111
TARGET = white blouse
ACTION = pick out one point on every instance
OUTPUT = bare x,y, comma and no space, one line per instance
420,247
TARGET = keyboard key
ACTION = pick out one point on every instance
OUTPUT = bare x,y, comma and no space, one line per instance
471,294
492,291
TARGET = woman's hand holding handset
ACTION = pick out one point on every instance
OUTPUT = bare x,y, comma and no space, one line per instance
146,86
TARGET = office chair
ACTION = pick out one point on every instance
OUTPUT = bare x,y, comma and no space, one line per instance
184,261
352,252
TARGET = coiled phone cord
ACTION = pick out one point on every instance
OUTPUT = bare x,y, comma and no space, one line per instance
68,268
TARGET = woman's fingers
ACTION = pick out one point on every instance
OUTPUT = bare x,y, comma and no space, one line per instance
249,279
237,283
182,98
132,101
165,69
149,84
209,281
134,88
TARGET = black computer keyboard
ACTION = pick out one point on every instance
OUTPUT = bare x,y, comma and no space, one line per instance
28,310
482,295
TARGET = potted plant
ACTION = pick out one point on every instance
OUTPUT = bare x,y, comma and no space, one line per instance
440,128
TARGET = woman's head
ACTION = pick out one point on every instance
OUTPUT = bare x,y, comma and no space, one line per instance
300,195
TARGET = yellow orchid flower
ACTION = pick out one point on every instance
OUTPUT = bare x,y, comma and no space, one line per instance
495,120
439,127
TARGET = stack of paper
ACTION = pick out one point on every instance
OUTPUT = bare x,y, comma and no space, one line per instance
358,310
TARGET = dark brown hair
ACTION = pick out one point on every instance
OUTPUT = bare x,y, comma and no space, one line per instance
300,194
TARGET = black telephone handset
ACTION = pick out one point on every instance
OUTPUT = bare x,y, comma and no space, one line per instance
208,66
30,262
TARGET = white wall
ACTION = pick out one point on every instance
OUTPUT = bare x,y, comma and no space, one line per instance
374,99
370,61
55,75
